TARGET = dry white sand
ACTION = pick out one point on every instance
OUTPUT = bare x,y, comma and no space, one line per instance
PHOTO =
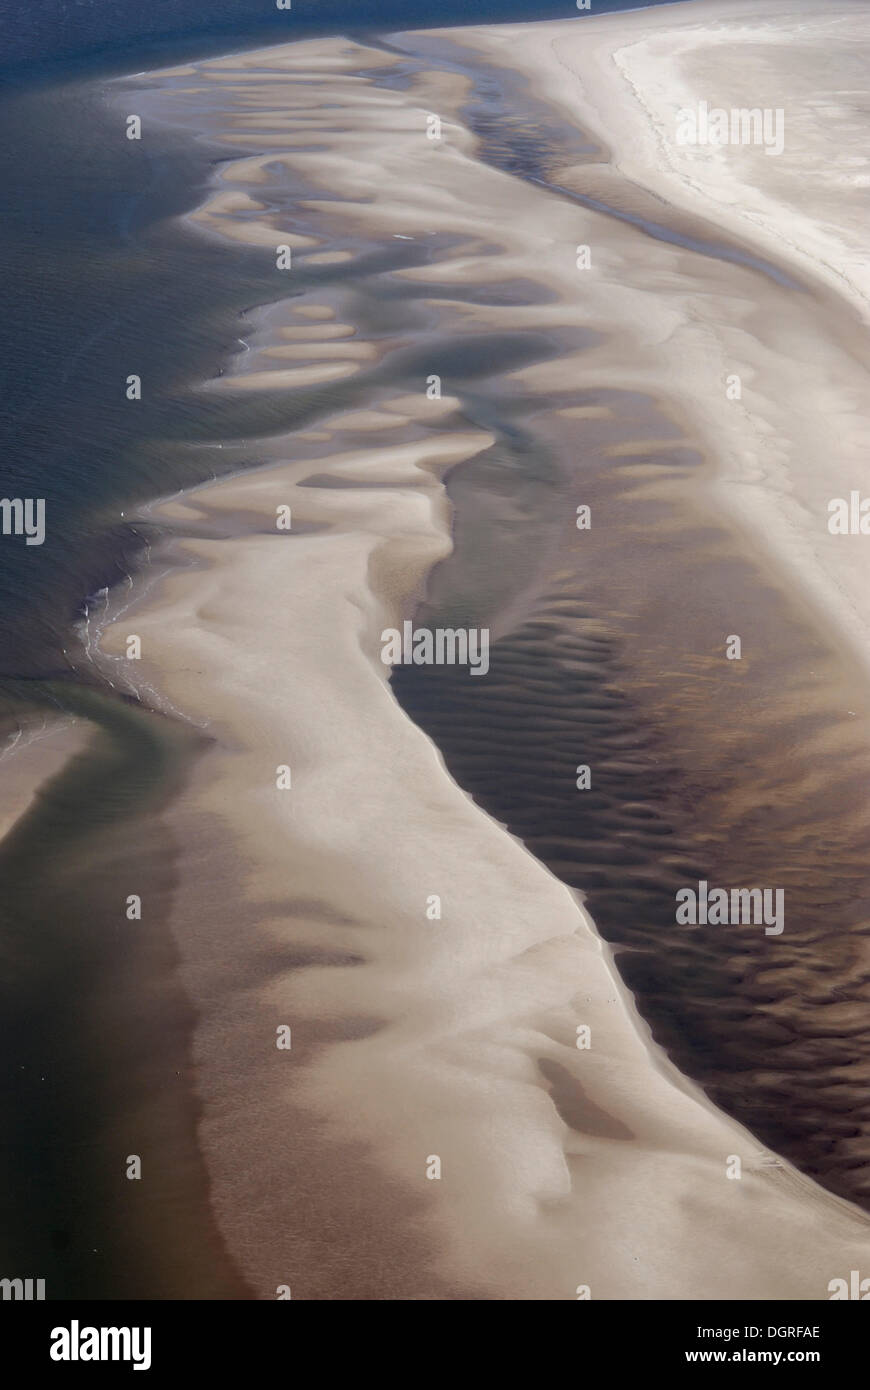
799,435
625,78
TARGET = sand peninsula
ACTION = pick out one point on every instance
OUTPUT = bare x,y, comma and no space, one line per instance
439,1127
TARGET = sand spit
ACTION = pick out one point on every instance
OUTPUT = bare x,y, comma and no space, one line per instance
415,1038
435,1129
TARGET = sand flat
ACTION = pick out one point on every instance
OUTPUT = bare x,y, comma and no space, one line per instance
467,1005
456,1037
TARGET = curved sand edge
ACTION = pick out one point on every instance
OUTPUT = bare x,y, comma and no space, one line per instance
626,76
630,1196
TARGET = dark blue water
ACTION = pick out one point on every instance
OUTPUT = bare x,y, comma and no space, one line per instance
50,31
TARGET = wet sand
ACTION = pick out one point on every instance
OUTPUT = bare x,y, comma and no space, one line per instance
750,771
414,1038
456,1037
